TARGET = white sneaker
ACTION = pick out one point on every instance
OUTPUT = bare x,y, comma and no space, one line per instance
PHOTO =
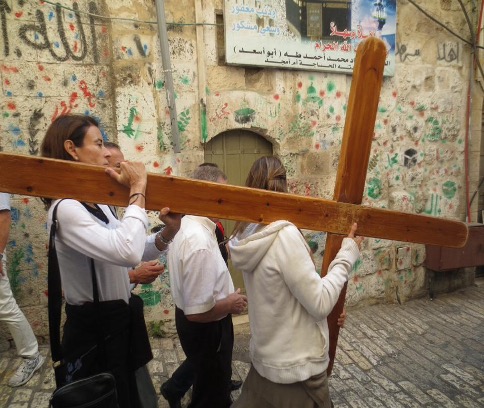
26,370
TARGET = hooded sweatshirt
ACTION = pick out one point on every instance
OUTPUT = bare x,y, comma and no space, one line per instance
288,300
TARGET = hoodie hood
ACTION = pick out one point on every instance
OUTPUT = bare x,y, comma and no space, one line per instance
249,247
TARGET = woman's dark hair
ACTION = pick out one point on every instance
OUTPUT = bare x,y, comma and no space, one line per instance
266,173
67,127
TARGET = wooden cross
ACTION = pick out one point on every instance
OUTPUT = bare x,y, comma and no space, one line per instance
50,178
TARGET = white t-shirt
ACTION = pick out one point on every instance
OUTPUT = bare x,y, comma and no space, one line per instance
4,201
115,247
198,273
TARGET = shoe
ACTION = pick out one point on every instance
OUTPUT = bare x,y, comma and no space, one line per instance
235,385
26,370
172,402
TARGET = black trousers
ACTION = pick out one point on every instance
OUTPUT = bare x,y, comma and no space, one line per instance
125,348
208,347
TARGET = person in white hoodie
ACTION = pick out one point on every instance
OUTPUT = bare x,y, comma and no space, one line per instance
289,304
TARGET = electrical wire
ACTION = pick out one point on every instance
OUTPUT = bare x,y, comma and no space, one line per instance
132,20
443,25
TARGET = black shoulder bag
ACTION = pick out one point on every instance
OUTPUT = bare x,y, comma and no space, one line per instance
97,391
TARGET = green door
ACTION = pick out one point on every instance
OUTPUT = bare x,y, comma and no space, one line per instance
234,152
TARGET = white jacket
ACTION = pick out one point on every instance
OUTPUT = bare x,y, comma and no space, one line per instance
288,300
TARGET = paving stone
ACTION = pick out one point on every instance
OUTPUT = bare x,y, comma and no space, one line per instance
420,354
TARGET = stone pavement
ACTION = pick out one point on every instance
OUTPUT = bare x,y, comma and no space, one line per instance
424,353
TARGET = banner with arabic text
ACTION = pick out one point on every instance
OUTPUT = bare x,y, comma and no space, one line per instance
309,35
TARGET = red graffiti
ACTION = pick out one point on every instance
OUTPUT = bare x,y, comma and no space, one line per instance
64,108
276,97
19,14
41,67
87,94
11,106
168,171
156,164
12,70
139,148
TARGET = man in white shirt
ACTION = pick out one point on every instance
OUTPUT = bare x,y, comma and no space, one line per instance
204,295
23,336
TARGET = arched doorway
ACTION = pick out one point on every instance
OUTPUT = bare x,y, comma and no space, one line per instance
234,151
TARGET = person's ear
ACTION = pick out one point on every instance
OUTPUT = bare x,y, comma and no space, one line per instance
71,149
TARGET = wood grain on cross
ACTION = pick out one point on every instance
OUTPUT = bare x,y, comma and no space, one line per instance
355,154
51,178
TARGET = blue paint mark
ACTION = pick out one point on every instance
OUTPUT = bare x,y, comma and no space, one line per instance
101,94
36,37
87,112
74,78
9,93
76,36
130,52
145,48
15,130
51,16
29,254
27,213
20,143
56,44
15,215
40,94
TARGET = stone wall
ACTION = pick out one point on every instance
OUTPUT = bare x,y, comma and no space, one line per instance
60,59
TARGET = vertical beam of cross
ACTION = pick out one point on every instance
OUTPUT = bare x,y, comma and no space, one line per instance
355,153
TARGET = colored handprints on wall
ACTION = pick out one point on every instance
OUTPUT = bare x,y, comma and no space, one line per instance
434,129
449,188
128,128
375,189
184,120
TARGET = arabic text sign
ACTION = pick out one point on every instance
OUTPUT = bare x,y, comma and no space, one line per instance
271,33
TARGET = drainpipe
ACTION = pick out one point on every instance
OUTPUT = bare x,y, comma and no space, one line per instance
202,81
165,59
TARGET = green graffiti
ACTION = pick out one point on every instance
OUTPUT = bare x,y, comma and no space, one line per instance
449,189
150,296
244,115
128,129
159,84
184,120
301,128
14,270
433,205
331,86
392,160
357,265
375,189
160,137
331,110
421,108
185,80
382,110
298,97
435,130
157,328
204,124
312,96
